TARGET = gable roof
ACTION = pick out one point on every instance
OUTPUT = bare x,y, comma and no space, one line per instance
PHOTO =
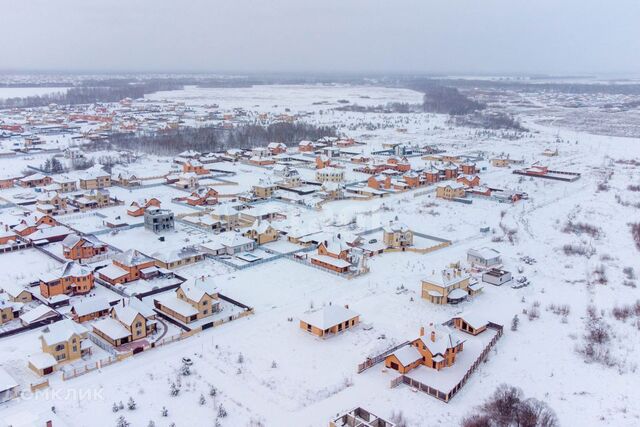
62,331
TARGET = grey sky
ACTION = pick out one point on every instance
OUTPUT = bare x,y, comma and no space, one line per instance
451,36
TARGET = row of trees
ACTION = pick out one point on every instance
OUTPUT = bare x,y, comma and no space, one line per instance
94,91
212,138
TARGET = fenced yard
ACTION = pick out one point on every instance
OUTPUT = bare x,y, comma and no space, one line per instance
418,381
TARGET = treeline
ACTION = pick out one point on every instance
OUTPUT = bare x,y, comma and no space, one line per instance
94,91
391,107
448,100
488,120
213,138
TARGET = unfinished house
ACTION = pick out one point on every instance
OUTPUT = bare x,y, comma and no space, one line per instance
158,220
358,417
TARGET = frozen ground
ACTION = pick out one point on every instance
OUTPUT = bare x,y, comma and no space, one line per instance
286,377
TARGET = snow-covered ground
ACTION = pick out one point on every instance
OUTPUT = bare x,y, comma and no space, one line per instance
267,370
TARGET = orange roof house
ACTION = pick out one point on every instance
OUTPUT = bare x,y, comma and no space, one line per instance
126,267
329,320
379,181
401,165
277,148
333,254
469,180
436,349
203,197
322,162
306,146
30,224
194,166
77,248
71,279
137,207
34,180
468,168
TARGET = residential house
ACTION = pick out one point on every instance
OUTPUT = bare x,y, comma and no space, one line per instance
95,177
89,309
204,196
9,389
77,248
9,310
138,207
306,146
484,257
379,182
188,181
329,320
65,183
450,191
276,148
261,232
264,188
50,202
34,180
496,276
17,293
126,267
397,235
468,180
333,254
193,300
63,341
330,174
194,166
437,349
451,285
71,279
175,258
125,324
228,243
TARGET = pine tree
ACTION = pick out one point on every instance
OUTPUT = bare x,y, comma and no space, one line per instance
115,407
174,389
164,412
131,404
221,411
202,400
514,323
122,422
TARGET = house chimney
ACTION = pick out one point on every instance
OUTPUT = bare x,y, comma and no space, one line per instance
433,336
421,331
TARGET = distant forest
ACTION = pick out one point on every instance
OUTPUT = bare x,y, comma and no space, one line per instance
391,107
93,91
211,139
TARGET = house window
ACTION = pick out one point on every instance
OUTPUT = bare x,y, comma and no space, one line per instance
205,302
205,312
75,348
59,347
139,324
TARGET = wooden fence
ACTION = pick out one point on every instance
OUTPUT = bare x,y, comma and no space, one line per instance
39,386
446,396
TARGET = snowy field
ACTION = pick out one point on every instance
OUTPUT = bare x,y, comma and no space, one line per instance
267,371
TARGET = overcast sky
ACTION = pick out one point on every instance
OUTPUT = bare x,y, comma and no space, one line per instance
438,36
